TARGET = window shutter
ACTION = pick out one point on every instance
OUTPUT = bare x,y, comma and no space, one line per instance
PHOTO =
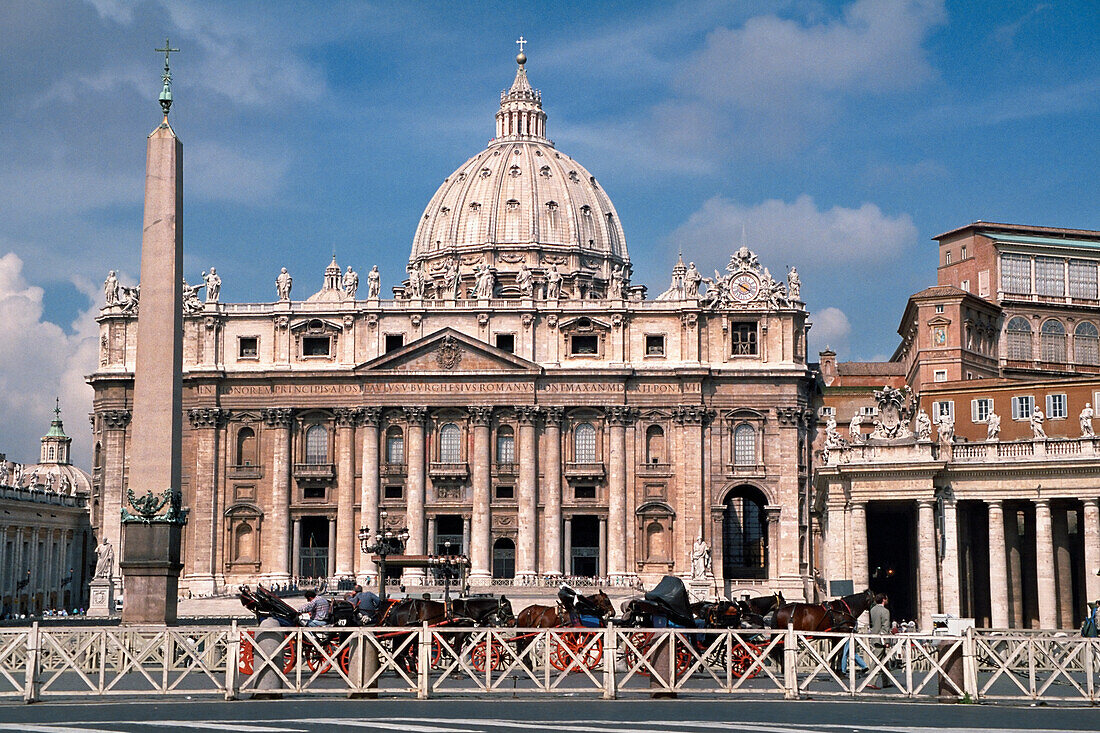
1015,408
1050,405
974,411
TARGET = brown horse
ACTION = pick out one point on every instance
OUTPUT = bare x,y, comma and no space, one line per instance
538,616
835,615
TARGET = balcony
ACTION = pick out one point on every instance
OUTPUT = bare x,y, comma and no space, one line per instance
314,471
393,469
505,469
448,471
1060,452
246,470
574,469
655,469
739,470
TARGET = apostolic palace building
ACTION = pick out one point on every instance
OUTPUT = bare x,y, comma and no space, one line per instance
517,398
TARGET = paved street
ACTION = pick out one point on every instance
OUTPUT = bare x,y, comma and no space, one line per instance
572,716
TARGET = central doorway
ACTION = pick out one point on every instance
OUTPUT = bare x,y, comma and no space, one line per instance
585,541
448,528
314,547
891,553
744,534
504,559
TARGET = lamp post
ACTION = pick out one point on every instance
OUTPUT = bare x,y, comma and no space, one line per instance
386,542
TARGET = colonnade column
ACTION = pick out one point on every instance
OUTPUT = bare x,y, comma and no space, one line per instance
692,420
1063,566
551,562
481,519
369,418
1015,558
860,575
296,545
346,418
114,468
330,570
949,566
275,566
926,542
528,493
1091,532
1044,566
202,541
567,523
998,567
618,418
414,500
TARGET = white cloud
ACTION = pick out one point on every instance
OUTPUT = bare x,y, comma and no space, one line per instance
120,11
41,360
795,233
830,328
222,173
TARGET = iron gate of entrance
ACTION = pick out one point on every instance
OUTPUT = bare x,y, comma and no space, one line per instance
314,548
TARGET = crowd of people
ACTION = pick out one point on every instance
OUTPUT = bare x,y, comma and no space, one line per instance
48,613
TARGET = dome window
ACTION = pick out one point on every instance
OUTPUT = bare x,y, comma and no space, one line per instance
462,176
544,171
475,206
574,177
592,180
551,205
586,210
512,204
514,171
485,172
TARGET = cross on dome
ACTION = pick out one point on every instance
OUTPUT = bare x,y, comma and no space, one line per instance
522,41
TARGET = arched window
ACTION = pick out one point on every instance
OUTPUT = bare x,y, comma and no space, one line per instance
395,446
246,447
53,453
450,448
317,444
744,446
584,443
1085,344
506,444
1018,333
744,535
98,460
1052,339
654,444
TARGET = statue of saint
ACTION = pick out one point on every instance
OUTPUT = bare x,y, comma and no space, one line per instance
947,430
283,283
993,426
855,434
615,284
692,280
374,283
213,285
485,282
110,289
553,283
700,560
351,283
416,283
794,285
4,473
1086,421
924,425
105,559
1037,432
191,302
525,281
130,297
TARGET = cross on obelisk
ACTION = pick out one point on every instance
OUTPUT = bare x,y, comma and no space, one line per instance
166,50
166,92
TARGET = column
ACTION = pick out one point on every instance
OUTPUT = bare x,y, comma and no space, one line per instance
114,468
617,418
949,566
1063,567
926,552
202,535
568,530
772,513
1015,560
999,592
296,558
692,419
860,575
414,517
343,548
1091,531
551,561
277,543
527,520
369,418
330,571
1044,566
429,523
480,538
465,535
602,563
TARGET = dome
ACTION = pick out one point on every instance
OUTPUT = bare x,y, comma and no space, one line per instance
521,203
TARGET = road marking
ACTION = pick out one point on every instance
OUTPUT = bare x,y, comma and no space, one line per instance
220,725
413,725
41,728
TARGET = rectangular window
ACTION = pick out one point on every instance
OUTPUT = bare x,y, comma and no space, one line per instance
868,410
744,339
313,492
939,308
1015,274
1057,407
1050,275
248,347
315,345
584,491
1022,407
394,341
506,342
655,345
962,253
584,345
980,409
393,491
943,409
506,492
829,411
1082,279
947,257
983,283
940,375
966,285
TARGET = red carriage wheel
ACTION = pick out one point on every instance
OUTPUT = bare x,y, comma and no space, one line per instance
344,660
642,641
740,661
684,657
437,652
247,659
290,656
478,656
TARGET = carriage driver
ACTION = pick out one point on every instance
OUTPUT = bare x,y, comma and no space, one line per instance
317,607
367,604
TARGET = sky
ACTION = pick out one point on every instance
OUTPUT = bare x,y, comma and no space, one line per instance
838,136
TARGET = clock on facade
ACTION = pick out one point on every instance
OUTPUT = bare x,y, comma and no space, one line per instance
745,287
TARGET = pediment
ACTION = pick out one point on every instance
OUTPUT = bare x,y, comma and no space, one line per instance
449,351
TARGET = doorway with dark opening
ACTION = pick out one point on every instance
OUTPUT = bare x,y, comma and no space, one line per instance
584,540
891,555
504,559
314,547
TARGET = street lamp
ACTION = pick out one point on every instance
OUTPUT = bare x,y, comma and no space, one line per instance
386,542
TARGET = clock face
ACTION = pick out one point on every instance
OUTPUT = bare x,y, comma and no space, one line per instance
745,287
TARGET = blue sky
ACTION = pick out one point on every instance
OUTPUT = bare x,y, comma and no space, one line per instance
840,135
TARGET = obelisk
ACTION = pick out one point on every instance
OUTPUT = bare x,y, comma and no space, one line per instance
151,549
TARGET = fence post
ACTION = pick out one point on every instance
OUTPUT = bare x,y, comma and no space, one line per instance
610,657
970,665
232,661
423,659
790,659
30,687
1090,665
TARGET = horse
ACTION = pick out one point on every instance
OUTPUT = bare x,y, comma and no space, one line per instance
484,610
538,616
754,611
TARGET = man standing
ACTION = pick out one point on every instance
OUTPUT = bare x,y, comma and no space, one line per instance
880,625
317,607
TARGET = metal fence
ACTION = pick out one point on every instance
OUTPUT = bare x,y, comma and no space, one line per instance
40,662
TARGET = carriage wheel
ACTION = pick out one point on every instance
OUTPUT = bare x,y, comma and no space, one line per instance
248,657
575,643
486,651
740,661
437,653
684,657
290,657
642,641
